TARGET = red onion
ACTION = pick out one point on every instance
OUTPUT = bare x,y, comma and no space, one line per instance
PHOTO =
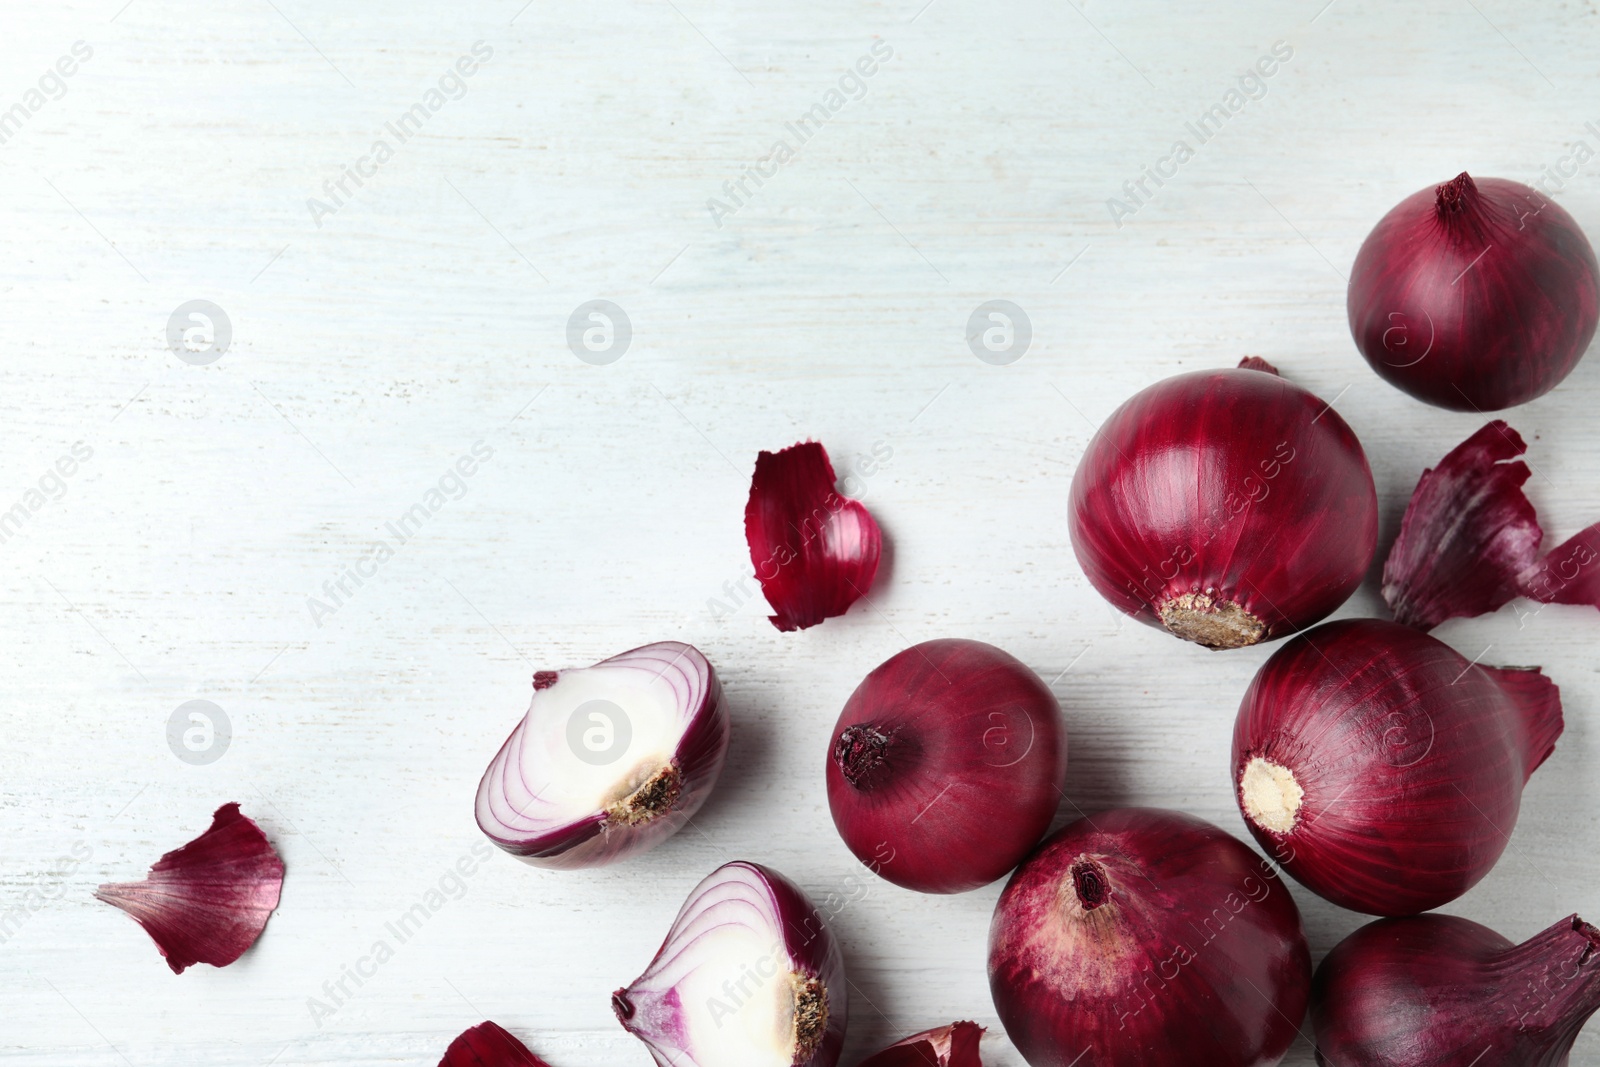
1381,768
749,976
489,1045
1228,506
609,760
1474,295
955,1045
1434,990
1147,938
815,552
946,766
208,901
1469,543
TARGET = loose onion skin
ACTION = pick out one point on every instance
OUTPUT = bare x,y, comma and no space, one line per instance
1474,295
1153,939
1384,770
946,766
1228,507
1436,990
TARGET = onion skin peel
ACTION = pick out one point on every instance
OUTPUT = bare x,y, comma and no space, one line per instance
1384,770
1148,938
1228,507
955,1045
946,766
208,901
1469,542
1474,295
521,804
1436,991
749,975
489,1045
815,552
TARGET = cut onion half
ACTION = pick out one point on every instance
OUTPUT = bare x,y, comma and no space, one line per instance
748,976
609,760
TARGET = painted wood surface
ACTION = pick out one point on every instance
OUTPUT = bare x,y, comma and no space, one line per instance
385,331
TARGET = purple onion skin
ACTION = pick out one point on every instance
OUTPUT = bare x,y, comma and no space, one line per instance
1232,485
946,766
1475,295
1437,991
590,842
805,937
1148,938
1411,759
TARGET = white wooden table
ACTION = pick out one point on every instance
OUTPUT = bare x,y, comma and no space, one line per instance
375,339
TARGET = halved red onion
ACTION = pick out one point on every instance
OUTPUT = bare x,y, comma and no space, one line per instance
1229,507
815,551
1384,770
1435,989
748,976
1469,542
955,1045
1148,938
946,765
489,1045
208,901
609,760
1474,295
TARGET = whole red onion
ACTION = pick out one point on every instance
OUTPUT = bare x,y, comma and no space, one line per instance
1148,938
1433,990
946,765
1228,506
1474,295
1381,768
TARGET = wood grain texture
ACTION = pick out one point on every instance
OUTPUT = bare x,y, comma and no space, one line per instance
429,313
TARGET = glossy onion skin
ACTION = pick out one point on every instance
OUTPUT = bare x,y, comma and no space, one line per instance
1234,484
1437,990
1411,758
1454,325
972,776
1194,958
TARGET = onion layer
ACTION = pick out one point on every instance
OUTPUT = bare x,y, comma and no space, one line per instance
955,1045
1474,295
1229,507
1469,543
1435,990
1381,768
815,552
208,901
489,1045
748,976
1147,938
946,766
609,760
